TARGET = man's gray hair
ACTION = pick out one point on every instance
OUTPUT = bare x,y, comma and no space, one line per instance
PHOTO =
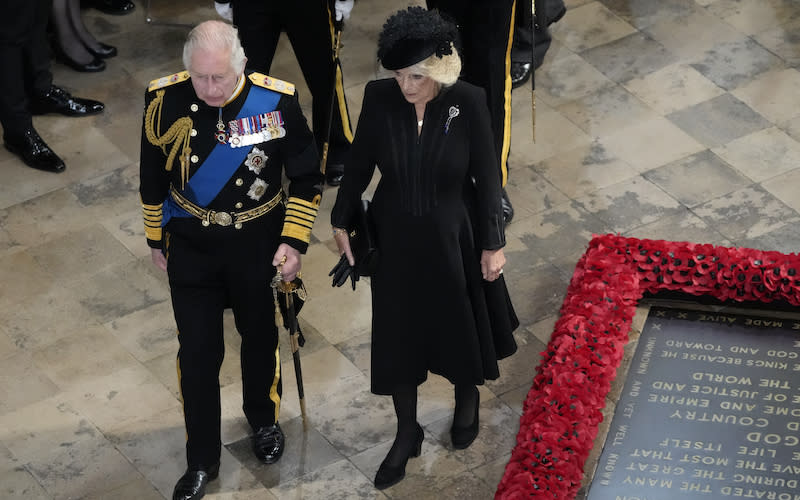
215,35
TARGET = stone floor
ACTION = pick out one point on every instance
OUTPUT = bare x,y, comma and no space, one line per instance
665,119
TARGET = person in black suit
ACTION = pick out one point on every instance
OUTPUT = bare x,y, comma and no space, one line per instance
216,142
487,32
26,84
309,24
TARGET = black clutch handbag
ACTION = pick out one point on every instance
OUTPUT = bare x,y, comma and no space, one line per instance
364,240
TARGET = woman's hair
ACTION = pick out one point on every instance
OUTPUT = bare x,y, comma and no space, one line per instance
443,70
215,35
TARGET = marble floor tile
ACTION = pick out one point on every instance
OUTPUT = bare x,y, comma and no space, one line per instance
29,329
567,76
629,204
768,94
783,41
633,56
82,357
607,111
643,13
719,120
673,87
762,154
584,169
338,481
588,26
747,214
754,16
680,179
690,35
23,383
651,143
79,255
783,187
732,64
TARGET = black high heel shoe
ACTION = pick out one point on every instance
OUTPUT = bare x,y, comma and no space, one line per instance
104,52
389,475
462,437
91,67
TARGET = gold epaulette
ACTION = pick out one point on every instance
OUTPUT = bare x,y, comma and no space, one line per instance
166,81
271,83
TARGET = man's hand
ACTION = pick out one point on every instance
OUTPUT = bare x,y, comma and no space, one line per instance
224,10
343,9
158,259
292,265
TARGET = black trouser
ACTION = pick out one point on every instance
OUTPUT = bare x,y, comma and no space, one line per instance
308,24
24,61
487,32
211,269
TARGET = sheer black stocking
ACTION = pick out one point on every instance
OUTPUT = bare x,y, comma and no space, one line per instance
466,401
405,406
88,40
66,35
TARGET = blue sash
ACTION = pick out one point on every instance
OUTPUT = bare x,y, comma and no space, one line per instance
212,175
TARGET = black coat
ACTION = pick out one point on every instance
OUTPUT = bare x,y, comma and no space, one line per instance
436,207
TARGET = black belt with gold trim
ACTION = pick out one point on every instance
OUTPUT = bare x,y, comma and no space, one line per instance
219,218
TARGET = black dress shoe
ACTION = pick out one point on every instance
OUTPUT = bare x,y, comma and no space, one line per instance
34,152
462,437
520,72
508,210
389,475
92,66
268,443
192,485
104,52
334,174
113,7
58,100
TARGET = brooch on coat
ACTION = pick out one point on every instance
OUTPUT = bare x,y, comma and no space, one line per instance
255,129
451,113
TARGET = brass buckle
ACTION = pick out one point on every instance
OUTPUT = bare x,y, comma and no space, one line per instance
221,218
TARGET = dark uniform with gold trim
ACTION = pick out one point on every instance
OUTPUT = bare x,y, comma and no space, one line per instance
487,33
309,26
212,201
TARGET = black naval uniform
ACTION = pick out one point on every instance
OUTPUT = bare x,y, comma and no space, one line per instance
487,33
309,26
215,261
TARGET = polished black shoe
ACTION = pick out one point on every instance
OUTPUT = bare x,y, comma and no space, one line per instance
92,66
34,152
520,73
113,7
104,52
192,485
58,100
334,174
462,437
508,210
268,443
389,475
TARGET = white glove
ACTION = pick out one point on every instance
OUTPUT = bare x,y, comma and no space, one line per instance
343,8
224,10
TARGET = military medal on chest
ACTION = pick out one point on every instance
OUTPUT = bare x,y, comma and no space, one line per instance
221,135
256,129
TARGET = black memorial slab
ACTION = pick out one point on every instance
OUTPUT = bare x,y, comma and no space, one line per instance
710,410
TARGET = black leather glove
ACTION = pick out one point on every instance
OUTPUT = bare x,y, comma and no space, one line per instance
341,271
